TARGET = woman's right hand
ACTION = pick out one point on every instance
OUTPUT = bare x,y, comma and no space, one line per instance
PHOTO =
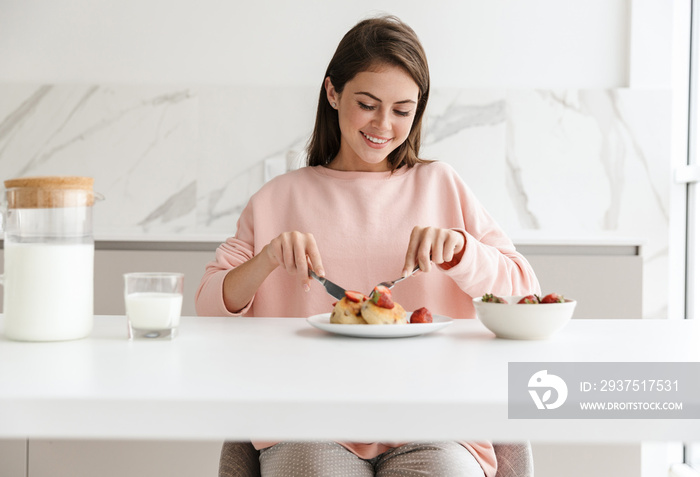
296,252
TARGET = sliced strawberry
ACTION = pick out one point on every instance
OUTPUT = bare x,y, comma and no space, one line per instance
553,298
529,300
381,296
385,301
422,315
354,296
383,290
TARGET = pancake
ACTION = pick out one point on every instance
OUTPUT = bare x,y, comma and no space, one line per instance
347,312
377,315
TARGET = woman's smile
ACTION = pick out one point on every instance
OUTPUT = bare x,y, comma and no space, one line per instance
375,141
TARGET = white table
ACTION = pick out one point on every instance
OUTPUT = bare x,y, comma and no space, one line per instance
279,378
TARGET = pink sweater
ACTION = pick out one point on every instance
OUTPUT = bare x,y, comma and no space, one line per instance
362,222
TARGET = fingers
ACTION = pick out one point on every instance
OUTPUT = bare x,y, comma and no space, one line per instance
431,244
300,263
296,252
410,261
447,244
419,249
450,246
425,246
314,260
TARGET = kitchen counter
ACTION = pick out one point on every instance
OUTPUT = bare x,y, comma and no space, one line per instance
280,378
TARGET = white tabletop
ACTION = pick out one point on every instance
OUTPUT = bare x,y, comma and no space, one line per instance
280,378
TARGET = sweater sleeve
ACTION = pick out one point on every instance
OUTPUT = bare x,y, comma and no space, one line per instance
490,262
209,299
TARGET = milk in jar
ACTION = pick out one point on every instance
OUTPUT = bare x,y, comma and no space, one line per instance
48,290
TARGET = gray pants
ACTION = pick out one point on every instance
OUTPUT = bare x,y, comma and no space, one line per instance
329,459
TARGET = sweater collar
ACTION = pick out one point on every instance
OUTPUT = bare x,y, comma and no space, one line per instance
355,175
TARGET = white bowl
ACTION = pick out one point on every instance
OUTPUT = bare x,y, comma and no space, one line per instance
524,322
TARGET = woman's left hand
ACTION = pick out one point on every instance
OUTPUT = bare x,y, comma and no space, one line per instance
432,244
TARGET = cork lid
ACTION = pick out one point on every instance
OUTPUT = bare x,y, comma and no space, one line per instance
49,191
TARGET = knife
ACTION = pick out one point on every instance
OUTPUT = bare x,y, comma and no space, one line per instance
333,290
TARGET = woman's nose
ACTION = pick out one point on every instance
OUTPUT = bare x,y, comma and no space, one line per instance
382,119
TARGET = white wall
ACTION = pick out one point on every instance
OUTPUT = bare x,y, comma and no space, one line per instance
470,43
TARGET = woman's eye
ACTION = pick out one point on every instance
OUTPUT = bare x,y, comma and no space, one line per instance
366,107
402,113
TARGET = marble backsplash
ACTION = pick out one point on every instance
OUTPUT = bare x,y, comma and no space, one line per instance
182,161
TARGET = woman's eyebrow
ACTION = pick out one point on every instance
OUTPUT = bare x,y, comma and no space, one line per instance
377,99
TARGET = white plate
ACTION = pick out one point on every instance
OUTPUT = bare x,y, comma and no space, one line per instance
323,322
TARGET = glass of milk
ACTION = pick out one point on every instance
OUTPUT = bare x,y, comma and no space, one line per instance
153,303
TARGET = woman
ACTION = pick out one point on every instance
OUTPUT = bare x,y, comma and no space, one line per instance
367,209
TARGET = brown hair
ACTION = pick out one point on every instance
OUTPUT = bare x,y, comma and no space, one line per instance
368,45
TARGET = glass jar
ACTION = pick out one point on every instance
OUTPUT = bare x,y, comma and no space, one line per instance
49,254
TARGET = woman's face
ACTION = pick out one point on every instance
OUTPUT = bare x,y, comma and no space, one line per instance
375,112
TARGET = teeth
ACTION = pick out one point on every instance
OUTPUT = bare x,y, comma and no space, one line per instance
375,140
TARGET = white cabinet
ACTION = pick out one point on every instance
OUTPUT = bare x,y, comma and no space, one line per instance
13,458
107,458
604,279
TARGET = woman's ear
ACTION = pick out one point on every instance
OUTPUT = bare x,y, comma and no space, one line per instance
331,93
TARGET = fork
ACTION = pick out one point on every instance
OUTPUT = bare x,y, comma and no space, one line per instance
391,284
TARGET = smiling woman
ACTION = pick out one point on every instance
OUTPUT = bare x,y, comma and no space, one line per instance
366,207
387,84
